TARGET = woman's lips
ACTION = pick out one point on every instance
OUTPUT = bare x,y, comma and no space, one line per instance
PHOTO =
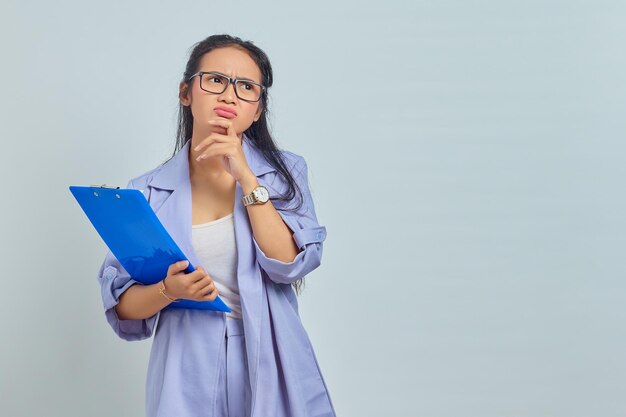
225,114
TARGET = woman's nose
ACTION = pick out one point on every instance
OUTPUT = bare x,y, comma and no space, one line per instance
229,93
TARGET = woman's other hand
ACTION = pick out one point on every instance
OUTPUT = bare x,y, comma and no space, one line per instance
196,285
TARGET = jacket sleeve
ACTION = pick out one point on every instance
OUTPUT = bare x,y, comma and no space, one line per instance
114,280
307,233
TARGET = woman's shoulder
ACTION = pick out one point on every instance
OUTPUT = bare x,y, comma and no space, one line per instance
140,181
292,156
295,162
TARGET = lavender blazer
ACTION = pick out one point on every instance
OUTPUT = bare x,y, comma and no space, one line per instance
181,381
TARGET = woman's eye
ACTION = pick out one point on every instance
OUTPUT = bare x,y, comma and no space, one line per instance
247,86
219,80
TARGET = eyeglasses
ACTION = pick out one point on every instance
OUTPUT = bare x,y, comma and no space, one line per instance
216,83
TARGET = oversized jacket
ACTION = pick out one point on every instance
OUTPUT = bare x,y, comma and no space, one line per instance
181,380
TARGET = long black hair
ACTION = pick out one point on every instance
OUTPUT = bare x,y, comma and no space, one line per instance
258,132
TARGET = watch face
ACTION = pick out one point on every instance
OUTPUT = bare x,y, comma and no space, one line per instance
262,194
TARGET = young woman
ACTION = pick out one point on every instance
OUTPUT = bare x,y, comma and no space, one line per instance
242,211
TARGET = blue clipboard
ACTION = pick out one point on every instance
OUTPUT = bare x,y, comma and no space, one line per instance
125,221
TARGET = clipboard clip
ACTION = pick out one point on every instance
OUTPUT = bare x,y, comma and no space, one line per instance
106,186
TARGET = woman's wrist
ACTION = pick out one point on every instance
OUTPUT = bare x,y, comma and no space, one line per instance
163,291
248,183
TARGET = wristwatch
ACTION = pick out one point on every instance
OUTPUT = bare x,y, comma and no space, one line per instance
259,195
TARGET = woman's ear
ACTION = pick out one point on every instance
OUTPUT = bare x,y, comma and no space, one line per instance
257,115
183,94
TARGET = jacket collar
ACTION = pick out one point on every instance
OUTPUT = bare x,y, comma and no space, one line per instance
176,170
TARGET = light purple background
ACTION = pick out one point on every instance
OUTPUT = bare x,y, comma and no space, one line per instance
466,157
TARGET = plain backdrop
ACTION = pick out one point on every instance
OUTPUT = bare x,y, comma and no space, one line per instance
466,157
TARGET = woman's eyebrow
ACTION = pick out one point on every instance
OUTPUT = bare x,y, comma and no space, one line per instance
239,78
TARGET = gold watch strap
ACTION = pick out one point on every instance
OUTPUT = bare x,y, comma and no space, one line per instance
248,199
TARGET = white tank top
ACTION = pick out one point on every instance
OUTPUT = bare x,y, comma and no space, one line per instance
215,245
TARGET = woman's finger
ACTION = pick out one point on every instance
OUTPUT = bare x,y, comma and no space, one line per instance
225,123
212,138
216,149
211,296
206,290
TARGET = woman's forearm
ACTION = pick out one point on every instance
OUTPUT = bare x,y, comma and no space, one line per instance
141,302
271,233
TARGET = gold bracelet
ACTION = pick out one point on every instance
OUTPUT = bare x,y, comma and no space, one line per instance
162,291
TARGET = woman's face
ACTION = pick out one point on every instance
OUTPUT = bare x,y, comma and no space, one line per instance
234,63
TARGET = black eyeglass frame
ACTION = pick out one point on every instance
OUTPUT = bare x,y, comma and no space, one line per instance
233,81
